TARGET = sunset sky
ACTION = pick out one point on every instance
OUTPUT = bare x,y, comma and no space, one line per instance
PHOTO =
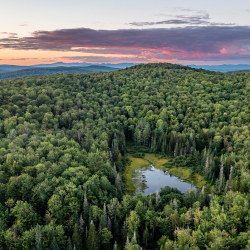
115,31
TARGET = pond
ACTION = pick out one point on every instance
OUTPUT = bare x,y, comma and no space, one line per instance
147,176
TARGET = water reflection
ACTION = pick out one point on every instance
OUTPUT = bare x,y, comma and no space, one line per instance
149,179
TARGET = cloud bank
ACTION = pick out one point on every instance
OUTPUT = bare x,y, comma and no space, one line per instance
202,43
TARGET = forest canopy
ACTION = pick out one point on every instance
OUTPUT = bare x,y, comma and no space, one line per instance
63,151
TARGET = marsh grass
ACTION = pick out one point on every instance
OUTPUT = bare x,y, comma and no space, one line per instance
135,163
186,174
159,161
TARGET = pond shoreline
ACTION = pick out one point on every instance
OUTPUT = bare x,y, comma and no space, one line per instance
132,172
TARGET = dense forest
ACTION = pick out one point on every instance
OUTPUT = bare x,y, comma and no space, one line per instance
63,152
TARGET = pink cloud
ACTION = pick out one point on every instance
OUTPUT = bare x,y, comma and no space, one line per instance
189,43
223,51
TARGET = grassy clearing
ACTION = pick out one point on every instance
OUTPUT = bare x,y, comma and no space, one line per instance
157,160
135,164
185,173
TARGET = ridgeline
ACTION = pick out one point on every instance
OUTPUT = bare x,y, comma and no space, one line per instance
53,70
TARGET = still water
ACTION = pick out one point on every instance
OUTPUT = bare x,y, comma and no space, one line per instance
149,179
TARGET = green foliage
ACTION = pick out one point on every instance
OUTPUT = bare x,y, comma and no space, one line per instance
69,244
76,238
63,152
93,241
38,238
54,245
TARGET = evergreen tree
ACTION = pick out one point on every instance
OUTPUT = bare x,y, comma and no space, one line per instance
157,198
115,246
81,225
105,213
38,237
118,183
124,231
76,239
69,244
106,237
85,209
53,245
133,244
93,241
133,222
145,238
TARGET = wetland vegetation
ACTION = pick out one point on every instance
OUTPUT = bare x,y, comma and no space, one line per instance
148,175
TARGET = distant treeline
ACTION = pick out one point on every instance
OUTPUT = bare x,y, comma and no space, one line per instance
53,70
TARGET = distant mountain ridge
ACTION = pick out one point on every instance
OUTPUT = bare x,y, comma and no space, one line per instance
12,71
239,71
61,64
7,67
53,70
223,67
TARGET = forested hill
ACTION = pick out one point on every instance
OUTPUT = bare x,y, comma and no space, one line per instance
53,70
63,152
239,71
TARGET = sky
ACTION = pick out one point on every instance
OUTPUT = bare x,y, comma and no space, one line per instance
207,32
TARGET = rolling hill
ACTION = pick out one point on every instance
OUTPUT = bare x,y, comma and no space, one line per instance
8,67
238,71
53,70
223,68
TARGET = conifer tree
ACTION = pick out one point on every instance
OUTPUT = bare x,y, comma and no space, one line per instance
102,223
221,175
81,225
109,224
93,241
133,222
118,182
115,246
69,244
106,237
157,198
38,237
53,245
145,237
76,237
124,230
85,209
90,214
105,213
133,244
